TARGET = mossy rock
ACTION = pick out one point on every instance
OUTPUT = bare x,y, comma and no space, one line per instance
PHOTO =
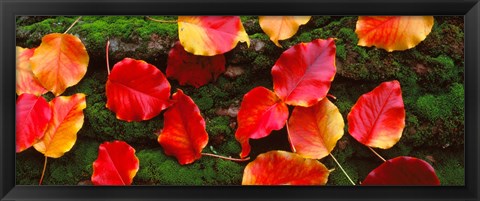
129,36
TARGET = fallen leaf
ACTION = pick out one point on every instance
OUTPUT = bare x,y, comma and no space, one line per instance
32,116
26,82
137,90
377,119
261,111
393,32
183,135
191,69
303,73
116,164
281,27
314,131
284,168
59,62
403,170
67,120
211,35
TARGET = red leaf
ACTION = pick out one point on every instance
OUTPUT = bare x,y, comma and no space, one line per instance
33,114
183,134
303,73
284,168
137,90
378,117
261,111
191,69
403,170
116,164
314,131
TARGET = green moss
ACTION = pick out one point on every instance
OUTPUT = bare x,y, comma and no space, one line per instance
158,169
442,117
443,106
341,52
28,167
348,34
219,125
74,166
262,62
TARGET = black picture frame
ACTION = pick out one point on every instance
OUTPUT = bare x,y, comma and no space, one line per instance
10,8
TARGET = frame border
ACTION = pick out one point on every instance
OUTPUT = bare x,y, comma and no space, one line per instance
10,8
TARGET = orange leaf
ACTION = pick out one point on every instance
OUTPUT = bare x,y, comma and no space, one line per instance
377,119
210,35
26,81
281,27
32,114
393,32
261,111
284,168
183,134
314,131
67,120
59,62
116,164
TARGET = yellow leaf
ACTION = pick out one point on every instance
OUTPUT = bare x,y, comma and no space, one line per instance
314,131
281,27
210,35
67,120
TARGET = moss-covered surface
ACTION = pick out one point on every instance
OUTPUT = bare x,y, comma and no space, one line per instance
431,76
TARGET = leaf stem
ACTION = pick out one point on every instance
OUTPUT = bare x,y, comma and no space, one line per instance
377,154
162,21
341,168
106,56
43,172
227,158
72,24
332,96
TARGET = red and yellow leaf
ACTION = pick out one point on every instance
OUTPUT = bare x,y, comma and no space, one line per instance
32,114
116,164
183,135
261,111
314,131
281,27
303,73
67,120
393,32
192,69
26,81
211,35
137,90
403,170
59,62
284,168
377,119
